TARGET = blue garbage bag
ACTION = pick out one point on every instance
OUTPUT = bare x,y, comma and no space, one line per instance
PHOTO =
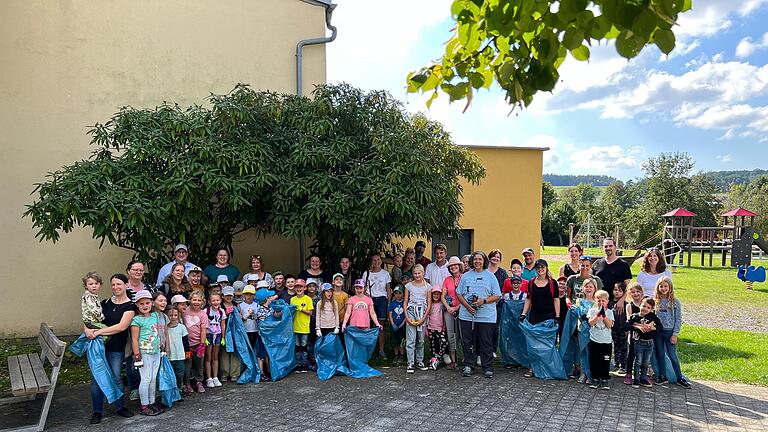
97,362
542,353
277,335
575,338
512,341
360,344
167,380
236,341
329,355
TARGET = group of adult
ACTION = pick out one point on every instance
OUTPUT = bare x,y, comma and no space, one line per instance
471,286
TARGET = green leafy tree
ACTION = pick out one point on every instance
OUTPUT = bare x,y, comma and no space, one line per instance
346,168
520,44
583,199
752,196
615,199
548,195
555,221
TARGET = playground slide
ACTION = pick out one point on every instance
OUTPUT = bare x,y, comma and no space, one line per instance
760,242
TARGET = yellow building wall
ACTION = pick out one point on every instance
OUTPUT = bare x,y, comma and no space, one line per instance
67,64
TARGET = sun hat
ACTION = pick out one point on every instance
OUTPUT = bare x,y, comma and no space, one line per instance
249,290
238,286
262,284
142,294
227,290
454,260
253,276
222,278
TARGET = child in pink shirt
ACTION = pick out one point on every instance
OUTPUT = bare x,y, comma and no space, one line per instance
438,342
360,311
196,321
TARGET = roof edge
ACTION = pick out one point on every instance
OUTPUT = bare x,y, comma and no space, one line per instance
470,146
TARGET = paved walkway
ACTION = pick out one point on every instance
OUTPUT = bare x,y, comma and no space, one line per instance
441,400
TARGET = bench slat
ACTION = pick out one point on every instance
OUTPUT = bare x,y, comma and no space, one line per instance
52,347
30,383
17,382
43,383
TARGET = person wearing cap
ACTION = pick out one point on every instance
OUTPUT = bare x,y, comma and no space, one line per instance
248,310
438,342
516,268
396,318
222,280
574,283
543,302
477,292
378,285
326,312
419,249
514,292
221,266
145,343
529,269
180,254
195,278
360,311
257,270
575,251
229,362
315,270
238,287
436,271
264,298
611,268
301,320
340,295
451,304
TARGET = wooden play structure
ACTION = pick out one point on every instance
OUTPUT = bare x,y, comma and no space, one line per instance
736,237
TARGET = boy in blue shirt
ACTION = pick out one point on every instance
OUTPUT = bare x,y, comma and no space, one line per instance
396,316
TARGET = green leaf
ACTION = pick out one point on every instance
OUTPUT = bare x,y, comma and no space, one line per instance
573,38
581,53
665,40
645,24
629,45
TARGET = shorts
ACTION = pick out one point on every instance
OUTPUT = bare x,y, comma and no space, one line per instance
380,305
213,339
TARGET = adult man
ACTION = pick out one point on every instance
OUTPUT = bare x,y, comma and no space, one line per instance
420,258
529,269
611,269
436,272
180,253
574,282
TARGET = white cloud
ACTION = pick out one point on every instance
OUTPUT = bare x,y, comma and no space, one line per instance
710,17
601,159
724,158
746,47
682,48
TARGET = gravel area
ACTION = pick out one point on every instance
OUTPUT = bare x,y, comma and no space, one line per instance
730,317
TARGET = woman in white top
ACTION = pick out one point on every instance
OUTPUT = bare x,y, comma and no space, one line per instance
654,268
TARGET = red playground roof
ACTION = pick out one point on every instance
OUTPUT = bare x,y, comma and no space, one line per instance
678,212
739,212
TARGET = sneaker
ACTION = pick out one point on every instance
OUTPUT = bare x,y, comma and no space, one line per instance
622,371
134,396
467,371
147,411
451,366
209,383
95,418
488,374
507,366
158,408
446,358
216,382
479,361
582,379
199,387
646,383
187,390
628,379
494,355
661,380
125,412
383,355
528,374
421,366
635,384
409,369
683,383
575,374
433,363
595,384
604,385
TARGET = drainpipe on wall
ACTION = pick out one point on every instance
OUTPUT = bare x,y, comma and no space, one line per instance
329,7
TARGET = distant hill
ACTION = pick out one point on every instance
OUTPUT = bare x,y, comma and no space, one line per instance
573,180
723,179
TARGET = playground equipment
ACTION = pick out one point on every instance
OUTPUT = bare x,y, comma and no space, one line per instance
750,274
736,236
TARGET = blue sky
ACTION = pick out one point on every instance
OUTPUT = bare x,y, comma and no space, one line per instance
606,116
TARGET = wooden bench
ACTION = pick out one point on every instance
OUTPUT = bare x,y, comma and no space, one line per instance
29,378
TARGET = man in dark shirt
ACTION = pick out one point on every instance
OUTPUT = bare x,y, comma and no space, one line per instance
419,250
611,269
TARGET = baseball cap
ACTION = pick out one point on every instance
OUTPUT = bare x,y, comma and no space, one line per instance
338,275
179,247
142,294
249,290
195,269
178,298
563,278
516,278
238,286
436,288
398,288
262,284
253,276
516,261
359,283
227,290
421,243
540,262
326,286
315,281
263,294
527,250
300,282
222,278
408,275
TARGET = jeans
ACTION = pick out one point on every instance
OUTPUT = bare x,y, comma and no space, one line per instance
115,360
148,374
643,351
477,342
301,340
414,336
665,346
179,366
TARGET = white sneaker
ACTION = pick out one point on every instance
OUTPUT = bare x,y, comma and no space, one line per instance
209,383
479,361
446,359
216,382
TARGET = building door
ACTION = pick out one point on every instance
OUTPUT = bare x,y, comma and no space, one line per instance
459,246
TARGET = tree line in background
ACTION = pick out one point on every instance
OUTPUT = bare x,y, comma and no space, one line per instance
637,205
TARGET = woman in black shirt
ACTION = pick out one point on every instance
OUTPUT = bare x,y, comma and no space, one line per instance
118,313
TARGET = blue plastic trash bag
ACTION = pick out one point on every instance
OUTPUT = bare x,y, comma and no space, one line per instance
329,355
575,338
512,341
236,341
360,344
97,362
545,360
277,335
167,380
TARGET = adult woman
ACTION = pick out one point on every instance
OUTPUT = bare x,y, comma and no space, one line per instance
494,257
118,313
257,269
409,260
452,305
572,266
135,272
378,286
221,267
477,291
654,267
542,302
315,270
176,282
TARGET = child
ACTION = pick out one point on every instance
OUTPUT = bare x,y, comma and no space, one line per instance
418,303
618,331
222,281
145,340
238,287
670,313
290,284
326,313
160,303
178,348
360,311
632,307
397,269
93,316
643,325
438,342
340,296
229,363
304,308
248,312
585,303
600,342
217,326
195,277
565,304
396,317
196,321
264,298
